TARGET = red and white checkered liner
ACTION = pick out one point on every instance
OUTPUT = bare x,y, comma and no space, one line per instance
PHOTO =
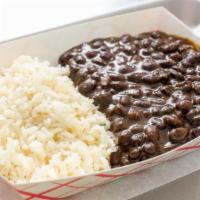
50,44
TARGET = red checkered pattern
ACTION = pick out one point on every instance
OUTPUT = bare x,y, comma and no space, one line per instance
60,189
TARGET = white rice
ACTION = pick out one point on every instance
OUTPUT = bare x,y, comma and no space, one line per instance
48,130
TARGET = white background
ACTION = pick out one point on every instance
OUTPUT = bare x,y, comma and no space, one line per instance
21,17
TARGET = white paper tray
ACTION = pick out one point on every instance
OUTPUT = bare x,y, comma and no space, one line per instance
50,44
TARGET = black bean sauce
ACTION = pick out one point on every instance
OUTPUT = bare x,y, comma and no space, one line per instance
147,85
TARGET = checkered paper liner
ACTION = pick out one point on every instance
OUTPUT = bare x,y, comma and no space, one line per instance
47,46
60,189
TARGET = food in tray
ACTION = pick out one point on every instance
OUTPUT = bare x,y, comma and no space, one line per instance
147,90
48,129
147,85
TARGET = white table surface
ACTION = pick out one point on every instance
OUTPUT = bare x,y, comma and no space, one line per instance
142,182
21,17
186,188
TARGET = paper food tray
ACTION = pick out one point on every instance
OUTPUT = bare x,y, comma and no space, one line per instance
49,45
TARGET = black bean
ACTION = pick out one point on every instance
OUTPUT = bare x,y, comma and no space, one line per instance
120,110
152,133
137,43
136,93
128,50
118,85
115,157
137,139
91,69
167,90
149,64
122,60
105,81
195,111
134,114
146,114
113,39
124,69
156,101
149,148
80,59
184,48
176,56
99,61
158,55
167,109
126,38
185,86
190,59
190,71
155,34
125,100
133,152
195,132
145,52
158,122
171,47
81,76
116,77
142,103
96,76
64,58
91,54
124,137
157,44
178,134
104,49
87,86
136,76
177,75
136,128
155,76
148,92
196,87
178,67
103,98
74,68
155,110
118,124
196,100
146,42
124,160
172,120
192,78
196,120
166,63
95,44
110,110
107,56
185,105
